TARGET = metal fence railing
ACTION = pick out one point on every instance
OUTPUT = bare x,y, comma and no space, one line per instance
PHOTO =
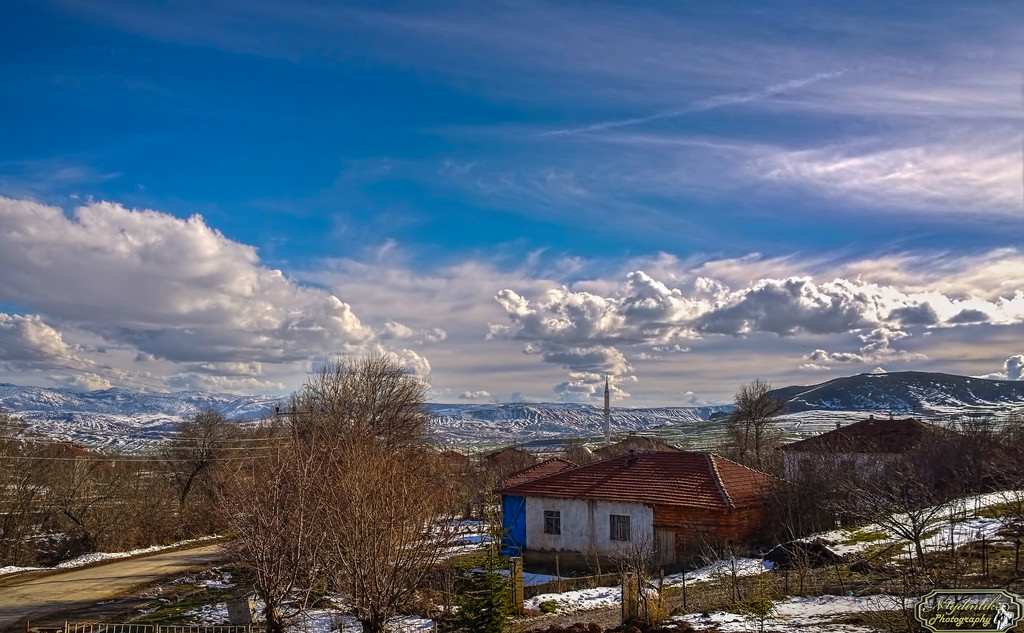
99,627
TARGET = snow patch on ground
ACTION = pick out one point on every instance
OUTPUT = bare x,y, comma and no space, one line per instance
579,600
718,570
797,615
964,529
208,614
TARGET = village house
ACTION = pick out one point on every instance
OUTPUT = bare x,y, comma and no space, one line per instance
635,443
670,500
543,469
867,446
499,464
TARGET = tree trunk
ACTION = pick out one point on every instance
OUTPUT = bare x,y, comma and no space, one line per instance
274,622
373,624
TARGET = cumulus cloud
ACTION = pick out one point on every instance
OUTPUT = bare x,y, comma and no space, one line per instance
591,334
434,335
480,394
394,330
28,338
27,342
1014,366
173,288
170,293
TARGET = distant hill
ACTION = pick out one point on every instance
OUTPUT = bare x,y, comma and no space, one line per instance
902,392
127,420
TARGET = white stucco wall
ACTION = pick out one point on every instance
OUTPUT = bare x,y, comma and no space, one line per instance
585,522
869,465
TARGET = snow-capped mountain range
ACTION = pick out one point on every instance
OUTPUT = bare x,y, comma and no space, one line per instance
129,421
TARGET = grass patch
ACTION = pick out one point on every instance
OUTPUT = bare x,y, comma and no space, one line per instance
864,536
171,608
998,510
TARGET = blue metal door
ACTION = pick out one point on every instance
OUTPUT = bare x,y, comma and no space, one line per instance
513,525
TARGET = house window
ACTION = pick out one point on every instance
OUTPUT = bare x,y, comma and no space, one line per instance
552,522
620,527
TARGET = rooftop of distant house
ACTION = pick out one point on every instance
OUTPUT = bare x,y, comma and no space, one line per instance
634,442
874,435
543,469
691,479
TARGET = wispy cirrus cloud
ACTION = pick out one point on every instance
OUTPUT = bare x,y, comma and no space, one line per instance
709,103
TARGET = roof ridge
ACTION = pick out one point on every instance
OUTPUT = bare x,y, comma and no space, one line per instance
717,478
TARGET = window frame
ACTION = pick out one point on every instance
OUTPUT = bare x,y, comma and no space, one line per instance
553,520
619,526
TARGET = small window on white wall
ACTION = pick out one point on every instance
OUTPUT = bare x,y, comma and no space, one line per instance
552,522
619,527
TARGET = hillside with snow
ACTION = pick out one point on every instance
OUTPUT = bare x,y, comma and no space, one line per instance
903,392
125,420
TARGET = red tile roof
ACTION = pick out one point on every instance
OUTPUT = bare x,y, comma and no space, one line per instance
503,453
874,435
698,480
635,443
543,469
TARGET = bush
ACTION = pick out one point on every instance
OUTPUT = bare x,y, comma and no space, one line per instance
548,606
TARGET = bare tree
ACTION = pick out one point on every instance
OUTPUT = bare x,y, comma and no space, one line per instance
371,397
275,507
390,523
20,492
356,504
82,492
636,564
192,455
903,501
749,426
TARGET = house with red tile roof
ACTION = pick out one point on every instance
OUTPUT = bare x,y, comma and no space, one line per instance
635,443
867,446
543,469
671,500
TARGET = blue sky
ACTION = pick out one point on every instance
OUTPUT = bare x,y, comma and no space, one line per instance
515,198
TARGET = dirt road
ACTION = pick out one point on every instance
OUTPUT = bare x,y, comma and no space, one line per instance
58,594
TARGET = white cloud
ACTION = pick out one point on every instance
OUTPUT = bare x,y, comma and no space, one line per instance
395,330
480,394
28,338
1014,366
166,295
1013,369
590,334
434,335
967,172
174,288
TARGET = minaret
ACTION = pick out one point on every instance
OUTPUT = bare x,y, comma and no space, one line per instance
607,413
